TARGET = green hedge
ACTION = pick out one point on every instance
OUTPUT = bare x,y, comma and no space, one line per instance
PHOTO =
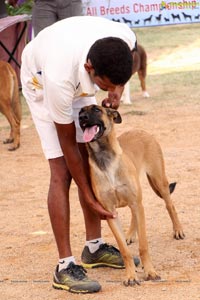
24,8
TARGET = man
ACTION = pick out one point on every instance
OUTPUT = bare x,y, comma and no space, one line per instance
61,69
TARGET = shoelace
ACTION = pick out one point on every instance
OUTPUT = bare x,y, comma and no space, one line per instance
78,272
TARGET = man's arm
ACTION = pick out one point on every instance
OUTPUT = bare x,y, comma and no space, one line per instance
67,138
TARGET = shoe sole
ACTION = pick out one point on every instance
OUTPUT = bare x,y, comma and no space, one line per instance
101,265
59,286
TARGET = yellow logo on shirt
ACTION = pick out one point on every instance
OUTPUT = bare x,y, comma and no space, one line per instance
36,83
84,95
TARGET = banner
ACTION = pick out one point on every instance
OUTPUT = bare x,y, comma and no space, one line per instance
144,12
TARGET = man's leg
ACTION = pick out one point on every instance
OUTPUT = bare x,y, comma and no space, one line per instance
68,8
58,204
43,15
72,277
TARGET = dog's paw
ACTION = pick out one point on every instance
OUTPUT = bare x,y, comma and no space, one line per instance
13,148
145,94
152,275
129,241
130,238
179,234
131,282
8,141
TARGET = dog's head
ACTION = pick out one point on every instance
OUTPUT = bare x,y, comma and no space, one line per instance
97,121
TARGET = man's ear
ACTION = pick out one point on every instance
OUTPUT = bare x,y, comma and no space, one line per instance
88,66
116,115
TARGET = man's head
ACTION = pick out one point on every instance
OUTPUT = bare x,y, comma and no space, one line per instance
109,59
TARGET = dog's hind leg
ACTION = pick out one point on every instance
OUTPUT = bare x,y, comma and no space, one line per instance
142,75
161,187
131,234
14,131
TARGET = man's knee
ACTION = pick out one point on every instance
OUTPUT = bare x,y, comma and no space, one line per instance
59,172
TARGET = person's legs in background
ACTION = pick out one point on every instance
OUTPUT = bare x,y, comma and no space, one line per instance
46,12
68,8
43,15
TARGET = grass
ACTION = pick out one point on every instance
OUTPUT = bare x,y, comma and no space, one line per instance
166,38
173,62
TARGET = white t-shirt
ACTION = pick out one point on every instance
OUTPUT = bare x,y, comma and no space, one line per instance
59,52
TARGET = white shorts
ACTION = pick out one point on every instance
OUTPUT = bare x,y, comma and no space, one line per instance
44,124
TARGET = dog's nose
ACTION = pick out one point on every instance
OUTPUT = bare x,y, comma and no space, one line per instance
83,117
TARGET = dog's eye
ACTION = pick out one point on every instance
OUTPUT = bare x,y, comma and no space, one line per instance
96,109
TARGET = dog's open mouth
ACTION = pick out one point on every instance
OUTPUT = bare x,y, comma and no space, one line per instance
92,133
89,133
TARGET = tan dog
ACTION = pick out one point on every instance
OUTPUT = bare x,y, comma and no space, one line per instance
10,104
140,67
115,166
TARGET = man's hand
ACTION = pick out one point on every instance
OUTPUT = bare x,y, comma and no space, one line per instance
103,214
113,100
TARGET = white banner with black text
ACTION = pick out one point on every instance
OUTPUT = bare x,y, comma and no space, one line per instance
144,12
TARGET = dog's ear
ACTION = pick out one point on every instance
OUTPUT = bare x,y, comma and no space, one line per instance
116,117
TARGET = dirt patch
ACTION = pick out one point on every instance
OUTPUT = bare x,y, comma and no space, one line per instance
28,251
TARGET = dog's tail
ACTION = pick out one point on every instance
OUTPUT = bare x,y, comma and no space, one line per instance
172,187
16,104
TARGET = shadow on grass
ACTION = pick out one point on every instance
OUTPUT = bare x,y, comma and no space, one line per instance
135,113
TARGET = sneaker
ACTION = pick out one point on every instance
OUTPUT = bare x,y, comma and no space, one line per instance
105,256
74,280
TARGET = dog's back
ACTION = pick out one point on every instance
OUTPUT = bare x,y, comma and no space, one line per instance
146,154
10,104
141,147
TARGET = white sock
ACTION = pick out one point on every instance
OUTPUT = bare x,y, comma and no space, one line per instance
93,245
64,262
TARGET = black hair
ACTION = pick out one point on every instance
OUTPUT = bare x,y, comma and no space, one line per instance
111,57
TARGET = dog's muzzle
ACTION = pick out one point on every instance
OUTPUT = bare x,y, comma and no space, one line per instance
92,127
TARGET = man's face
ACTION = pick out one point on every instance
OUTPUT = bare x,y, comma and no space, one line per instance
103,83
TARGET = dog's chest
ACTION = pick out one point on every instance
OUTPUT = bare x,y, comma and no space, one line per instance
105,169
109,175
110,183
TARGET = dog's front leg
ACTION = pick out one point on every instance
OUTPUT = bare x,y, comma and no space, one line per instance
131,278
138,210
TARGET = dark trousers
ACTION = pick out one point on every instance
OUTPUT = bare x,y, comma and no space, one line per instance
47,12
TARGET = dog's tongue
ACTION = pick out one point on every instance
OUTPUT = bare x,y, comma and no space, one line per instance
89,133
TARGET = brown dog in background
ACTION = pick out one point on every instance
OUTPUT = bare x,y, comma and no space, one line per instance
115,166
139,66
10,104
